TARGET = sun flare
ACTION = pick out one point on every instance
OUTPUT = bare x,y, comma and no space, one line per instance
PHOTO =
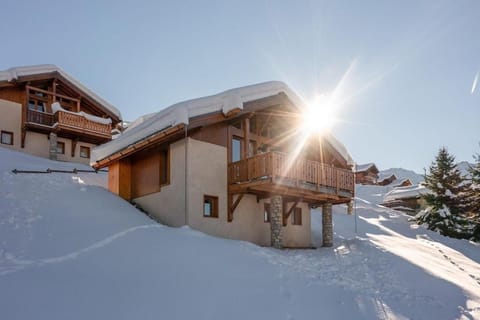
319,116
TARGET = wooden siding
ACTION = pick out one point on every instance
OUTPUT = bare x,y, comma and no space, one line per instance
119,178
216,134
14,94
150,170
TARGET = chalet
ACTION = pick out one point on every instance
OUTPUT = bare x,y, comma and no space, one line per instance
387,180
366,174
236,165
47,113
404,183
407,199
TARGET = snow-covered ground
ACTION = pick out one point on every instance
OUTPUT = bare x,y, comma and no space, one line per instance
69,249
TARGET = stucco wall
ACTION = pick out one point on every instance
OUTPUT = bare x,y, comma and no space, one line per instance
168,205
68,151
207,175
11,120
207,167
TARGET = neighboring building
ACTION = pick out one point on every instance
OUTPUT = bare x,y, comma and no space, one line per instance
387,180
404,183
232,165
366,174
407,199
47,113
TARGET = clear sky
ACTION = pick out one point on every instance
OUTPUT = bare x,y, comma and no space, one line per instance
408,67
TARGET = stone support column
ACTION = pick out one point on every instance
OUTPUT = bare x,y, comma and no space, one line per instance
327,225
52,149
276,221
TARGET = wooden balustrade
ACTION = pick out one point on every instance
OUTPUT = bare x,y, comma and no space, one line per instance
39,117
80,122
298,171
68,120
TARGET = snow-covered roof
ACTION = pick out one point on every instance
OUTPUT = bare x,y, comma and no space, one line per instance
182,112
364,167
405,193
14,73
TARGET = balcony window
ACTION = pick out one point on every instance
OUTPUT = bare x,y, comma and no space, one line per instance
36,105
236,149
7,137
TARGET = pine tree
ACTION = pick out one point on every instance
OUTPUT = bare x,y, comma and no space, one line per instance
473,197
445,201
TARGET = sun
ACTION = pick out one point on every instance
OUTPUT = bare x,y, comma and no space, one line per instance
319,116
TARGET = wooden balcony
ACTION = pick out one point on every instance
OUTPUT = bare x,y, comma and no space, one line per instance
275,173
69,124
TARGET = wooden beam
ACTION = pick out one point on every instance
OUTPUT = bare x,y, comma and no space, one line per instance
74,146
246,137
237,201
24,134
289,212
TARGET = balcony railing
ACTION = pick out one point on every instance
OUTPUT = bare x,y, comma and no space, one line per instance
43,118
80,122
297,172
68,121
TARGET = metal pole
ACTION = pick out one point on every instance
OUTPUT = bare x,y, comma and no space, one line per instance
355,209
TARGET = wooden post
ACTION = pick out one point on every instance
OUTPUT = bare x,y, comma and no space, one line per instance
246,137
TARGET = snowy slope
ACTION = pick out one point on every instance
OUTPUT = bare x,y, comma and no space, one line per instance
69,249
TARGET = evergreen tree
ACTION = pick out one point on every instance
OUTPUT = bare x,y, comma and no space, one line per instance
445,201
473,197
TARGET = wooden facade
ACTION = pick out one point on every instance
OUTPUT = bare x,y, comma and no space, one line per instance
261,142
368,174
250,173
387,180
77,121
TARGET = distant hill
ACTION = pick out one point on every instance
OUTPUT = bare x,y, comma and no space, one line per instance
463,166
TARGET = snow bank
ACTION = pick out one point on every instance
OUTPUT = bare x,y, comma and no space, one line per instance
14,73
405,193
70,249
181,113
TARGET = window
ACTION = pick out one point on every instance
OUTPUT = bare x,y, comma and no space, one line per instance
297,217
236,149
84,152
7,137
36,105
60,147
210,206
266,212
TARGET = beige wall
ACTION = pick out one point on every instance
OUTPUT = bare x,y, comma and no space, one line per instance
168,205
68,151
207,175
35,143
11,120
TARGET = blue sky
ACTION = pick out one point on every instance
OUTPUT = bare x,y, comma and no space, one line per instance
411,64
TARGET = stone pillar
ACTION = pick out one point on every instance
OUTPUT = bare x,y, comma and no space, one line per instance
327,225
276,221
52,146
